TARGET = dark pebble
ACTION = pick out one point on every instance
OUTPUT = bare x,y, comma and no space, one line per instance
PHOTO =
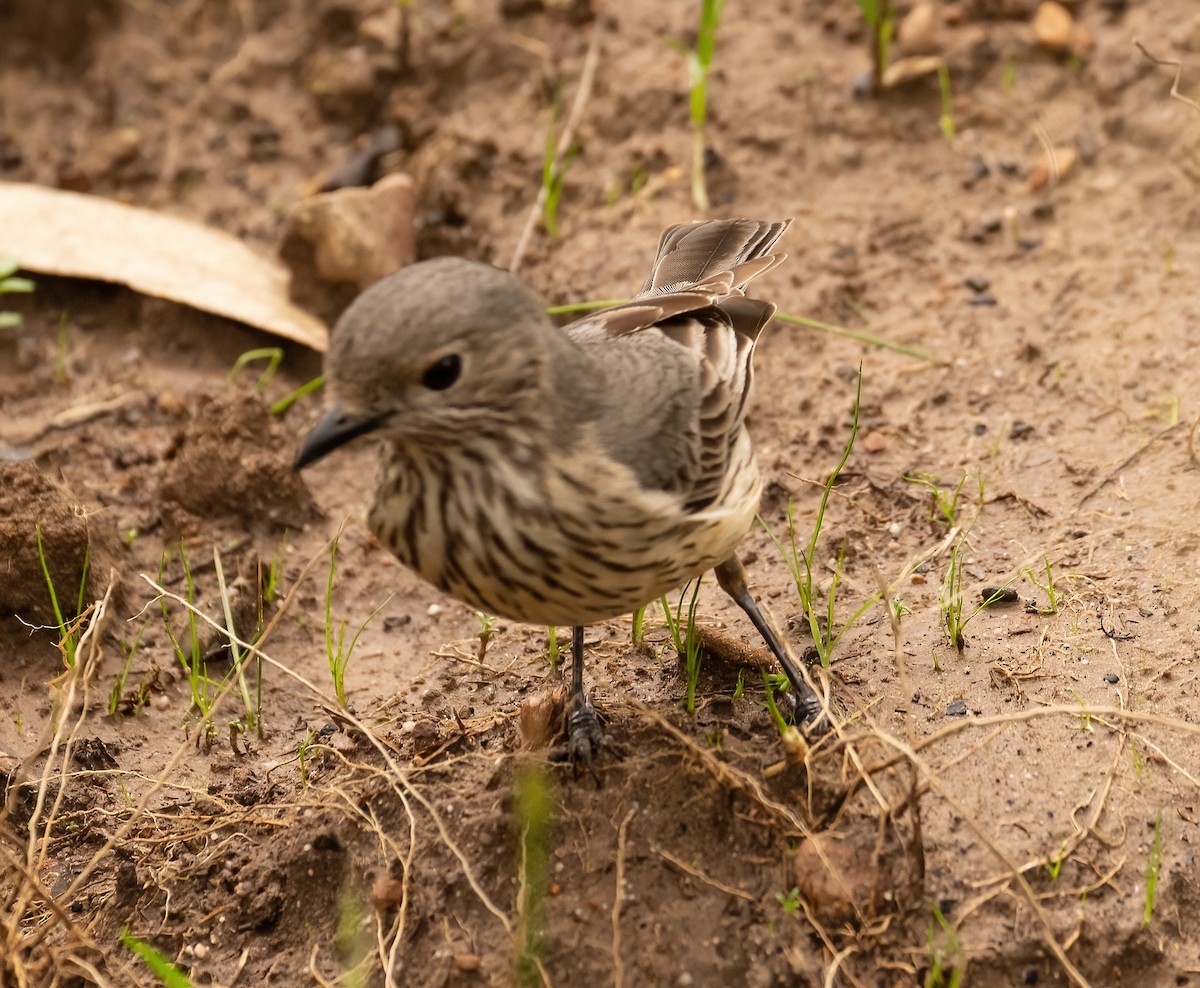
979,171
957,709
980,429
983,298
999,595
977,283
1112,678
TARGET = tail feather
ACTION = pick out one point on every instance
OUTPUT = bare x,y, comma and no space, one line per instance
689,253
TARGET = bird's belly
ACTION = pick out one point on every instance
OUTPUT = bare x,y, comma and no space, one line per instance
566,559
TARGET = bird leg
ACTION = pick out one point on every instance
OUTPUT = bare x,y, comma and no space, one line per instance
731,575
585,736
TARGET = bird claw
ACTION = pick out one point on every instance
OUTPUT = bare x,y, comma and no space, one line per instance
807,714
585,737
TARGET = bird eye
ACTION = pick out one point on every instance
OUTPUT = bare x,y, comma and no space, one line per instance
440,375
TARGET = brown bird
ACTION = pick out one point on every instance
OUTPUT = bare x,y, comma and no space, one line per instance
563,476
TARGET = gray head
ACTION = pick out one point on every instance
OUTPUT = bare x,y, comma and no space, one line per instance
433,352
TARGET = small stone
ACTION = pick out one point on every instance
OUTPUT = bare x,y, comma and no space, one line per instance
358,235
200,950
112,150
467,962
977,283
173,404
1052,24
387,893
1056,30
1112,678
875,441
920,32
957,709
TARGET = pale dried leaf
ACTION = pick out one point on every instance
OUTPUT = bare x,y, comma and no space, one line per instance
81,236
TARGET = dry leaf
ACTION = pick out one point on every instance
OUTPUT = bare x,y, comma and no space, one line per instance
81,236
905,70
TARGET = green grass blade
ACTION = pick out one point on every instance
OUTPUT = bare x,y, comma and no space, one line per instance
162,968
286,402
875,341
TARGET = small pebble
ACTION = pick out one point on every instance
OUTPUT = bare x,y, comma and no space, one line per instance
957,709
1111,678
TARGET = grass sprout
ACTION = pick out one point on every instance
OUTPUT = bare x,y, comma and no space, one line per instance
684,637
946,120
1047,588
946,967
288,400
273,355
880,19
699,65
118,687
945,501
190,659
554,171
10,284
1153,870
533,806
69,632
789,901
637,633
159,965
951,601
770,682
800,560
338,653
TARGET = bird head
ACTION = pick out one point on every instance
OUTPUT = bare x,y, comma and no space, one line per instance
433,354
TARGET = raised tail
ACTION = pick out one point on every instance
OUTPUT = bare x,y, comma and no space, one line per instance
731,252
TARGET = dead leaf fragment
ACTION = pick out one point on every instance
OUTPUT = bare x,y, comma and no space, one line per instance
905,70
82,236
1053,166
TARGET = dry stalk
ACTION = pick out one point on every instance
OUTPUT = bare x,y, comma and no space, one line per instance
618,898
397,777
582,94
1178,66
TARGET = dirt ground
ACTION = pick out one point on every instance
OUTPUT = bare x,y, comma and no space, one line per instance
1020,810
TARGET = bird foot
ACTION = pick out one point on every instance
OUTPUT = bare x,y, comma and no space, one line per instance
806,713
585,737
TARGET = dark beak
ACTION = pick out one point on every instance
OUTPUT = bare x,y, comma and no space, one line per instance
336,429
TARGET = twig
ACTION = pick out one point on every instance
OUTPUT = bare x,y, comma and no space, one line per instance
582,94
397,777
1125,463
701,876
1178,66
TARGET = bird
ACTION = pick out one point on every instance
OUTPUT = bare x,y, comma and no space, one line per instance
564,476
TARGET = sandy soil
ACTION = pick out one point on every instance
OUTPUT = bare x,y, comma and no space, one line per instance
1018,810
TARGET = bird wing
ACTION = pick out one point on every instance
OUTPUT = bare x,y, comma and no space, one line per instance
679,356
